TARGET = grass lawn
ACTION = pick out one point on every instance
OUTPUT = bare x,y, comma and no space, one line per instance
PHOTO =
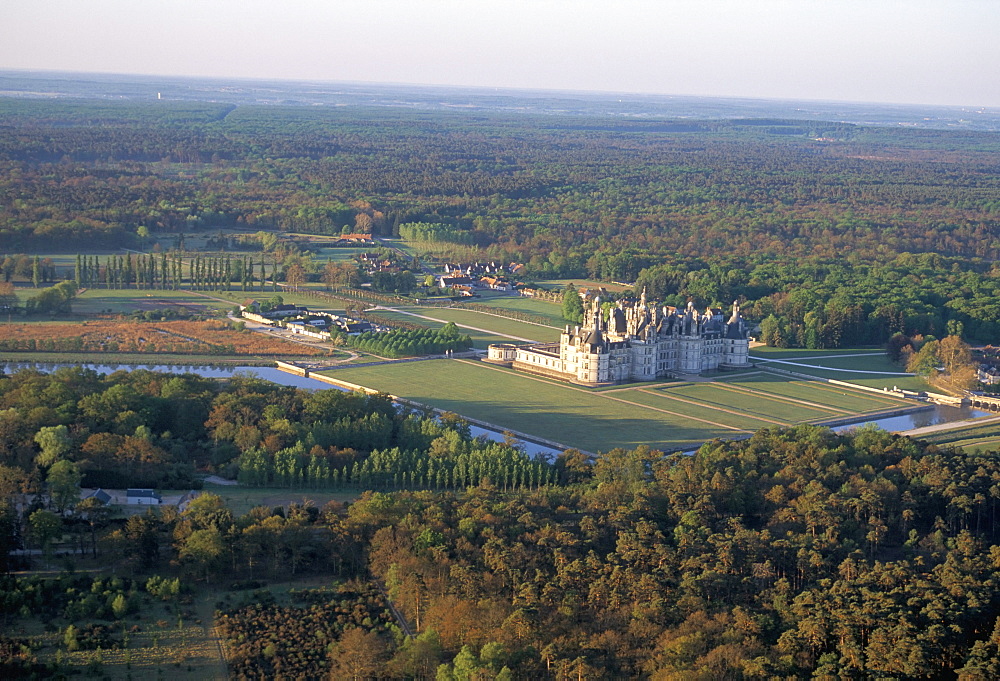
860,363
541,308
870,380
581,283
480,339
666,415
764,352
241,499
497,325
573,416
809,391
784,411
661,399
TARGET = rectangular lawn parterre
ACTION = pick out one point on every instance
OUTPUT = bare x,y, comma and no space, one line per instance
665,415
659,399
840,397
770,408
573,416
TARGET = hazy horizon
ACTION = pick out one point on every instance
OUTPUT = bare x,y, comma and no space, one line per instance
917,52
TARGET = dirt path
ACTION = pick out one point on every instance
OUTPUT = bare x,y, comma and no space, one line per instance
219,669
403,624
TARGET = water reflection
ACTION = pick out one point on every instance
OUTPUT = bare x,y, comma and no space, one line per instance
930,417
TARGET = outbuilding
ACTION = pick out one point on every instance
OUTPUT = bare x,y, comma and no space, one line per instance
142,497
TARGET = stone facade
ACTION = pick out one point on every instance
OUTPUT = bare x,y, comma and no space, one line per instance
637,343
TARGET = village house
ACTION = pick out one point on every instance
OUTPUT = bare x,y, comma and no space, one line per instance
142,497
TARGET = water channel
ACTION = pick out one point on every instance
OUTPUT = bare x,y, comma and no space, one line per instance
929,417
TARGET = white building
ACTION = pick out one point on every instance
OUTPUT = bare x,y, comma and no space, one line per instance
637,343
142,497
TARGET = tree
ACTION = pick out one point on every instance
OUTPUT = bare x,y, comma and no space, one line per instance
924,362
203,548
357,655
55,443
95,513
953,354
572,305
295,276
64,483
45,527
8,298
119,606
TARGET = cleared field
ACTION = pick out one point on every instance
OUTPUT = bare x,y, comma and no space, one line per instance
161,645
95,301
574,416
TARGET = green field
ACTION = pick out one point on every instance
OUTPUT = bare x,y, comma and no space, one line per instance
540,308
501,326
668,416
581,283
838,397
972,438
480,339
573,416
241,499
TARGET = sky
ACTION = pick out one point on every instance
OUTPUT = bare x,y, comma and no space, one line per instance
897,51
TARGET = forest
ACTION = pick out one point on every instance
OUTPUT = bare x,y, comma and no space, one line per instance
798,552
844,234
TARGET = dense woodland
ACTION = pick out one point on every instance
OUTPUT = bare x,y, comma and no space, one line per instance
793,553
845,234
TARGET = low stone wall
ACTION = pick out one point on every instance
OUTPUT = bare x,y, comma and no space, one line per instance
292,368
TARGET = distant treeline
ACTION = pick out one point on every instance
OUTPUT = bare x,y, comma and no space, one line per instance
707,210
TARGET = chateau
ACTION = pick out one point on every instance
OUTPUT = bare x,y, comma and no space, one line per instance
637,343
